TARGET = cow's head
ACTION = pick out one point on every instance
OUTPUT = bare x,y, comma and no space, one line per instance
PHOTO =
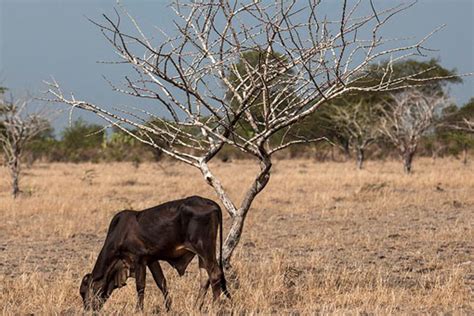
94,293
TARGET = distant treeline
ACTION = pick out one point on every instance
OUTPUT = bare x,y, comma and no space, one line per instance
358,125
86,142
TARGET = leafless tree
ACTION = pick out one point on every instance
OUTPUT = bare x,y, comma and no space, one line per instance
18,126
186,72
469,125
360,122
466,125
407,116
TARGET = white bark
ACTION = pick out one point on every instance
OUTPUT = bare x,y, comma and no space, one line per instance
467,125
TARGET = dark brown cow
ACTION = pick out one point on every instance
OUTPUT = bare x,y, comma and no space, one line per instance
173,232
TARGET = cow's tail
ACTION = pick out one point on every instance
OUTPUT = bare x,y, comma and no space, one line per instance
221,264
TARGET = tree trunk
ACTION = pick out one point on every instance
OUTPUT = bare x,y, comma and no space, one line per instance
360,158
15,174
407,161
346,149
464,155
237,226
233,237
237,215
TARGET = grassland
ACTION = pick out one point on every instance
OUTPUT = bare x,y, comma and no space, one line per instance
322,238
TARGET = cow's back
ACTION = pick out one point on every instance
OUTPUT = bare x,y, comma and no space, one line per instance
172,212
201,205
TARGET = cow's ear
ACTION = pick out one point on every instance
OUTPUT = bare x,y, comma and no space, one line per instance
84,288
86,278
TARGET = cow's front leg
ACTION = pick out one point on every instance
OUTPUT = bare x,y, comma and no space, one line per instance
160,280
140,277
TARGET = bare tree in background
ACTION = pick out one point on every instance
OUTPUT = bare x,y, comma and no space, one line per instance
360,122
466,125
406,117
18,126
469,125
186,72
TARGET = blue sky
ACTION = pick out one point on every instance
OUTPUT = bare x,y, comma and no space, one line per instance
44,38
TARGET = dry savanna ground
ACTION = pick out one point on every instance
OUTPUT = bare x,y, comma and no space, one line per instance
322,238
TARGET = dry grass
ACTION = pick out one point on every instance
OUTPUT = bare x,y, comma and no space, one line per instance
322,238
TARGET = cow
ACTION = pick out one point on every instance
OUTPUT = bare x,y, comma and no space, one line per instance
173,232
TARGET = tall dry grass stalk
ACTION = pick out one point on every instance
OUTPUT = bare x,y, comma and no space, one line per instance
322,238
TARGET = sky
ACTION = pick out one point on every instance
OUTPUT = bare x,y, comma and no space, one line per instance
40,39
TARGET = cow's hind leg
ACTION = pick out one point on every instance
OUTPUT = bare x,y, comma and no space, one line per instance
204,284
207,260
160,280
140,277
215,276
215,273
